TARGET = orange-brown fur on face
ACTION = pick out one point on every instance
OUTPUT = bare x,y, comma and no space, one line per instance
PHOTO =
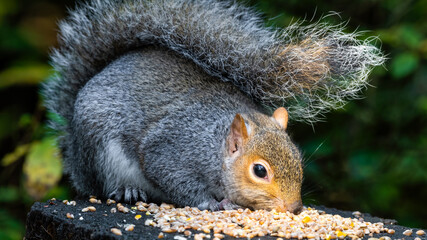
267,141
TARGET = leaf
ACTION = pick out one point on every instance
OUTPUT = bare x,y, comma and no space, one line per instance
10,158
42,168
411,36
403,65
24,75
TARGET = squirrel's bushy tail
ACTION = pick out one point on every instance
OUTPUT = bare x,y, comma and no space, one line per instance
308,69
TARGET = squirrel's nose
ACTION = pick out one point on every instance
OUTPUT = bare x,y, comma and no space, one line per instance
295,207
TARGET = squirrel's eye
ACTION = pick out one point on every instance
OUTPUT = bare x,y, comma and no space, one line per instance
260,171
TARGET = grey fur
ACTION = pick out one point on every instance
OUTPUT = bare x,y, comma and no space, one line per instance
227,40
127,106
149,122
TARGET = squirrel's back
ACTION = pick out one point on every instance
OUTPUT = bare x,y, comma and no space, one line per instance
150,105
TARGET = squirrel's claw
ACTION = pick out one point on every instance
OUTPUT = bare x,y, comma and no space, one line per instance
128,194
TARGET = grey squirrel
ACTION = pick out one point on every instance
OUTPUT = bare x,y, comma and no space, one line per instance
183,101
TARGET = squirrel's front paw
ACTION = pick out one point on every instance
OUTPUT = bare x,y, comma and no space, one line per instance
128,194
214,205
226,204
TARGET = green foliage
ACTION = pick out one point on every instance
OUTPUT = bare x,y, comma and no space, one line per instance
369,156
403,65
10,227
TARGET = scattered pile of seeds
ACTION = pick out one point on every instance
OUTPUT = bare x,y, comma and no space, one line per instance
310,223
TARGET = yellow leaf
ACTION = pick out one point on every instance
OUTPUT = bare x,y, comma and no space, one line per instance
24,75
42,168
12,157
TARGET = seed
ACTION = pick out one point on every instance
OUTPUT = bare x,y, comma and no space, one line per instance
161,235
417,238
93,200
149,222
110,201
90,208
122,209
141,208
177,237
356,214
72,203
129,227
420,233
187,233
407,232
310,235
113,210
116,231
65,201
391,231
218,235
70,216
166,206
199,236
306,219
385,238
137,217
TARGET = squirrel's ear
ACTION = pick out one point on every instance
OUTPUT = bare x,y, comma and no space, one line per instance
238,134
281,116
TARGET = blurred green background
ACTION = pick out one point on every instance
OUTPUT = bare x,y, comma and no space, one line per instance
370,156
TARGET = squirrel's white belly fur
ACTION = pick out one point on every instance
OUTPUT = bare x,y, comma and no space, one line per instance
125,175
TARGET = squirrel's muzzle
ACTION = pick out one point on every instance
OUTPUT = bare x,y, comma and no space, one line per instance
295,207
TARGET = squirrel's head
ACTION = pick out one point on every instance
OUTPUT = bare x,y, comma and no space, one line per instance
263,168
